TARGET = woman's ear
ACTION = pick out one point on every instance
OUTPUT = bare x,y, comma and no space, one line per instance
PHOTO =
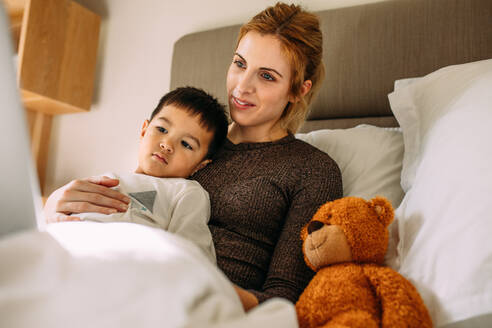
305,87
144,128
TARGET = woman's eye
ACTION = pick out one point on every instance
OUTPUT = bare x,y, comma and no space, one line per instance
186,145
161,129
239,63
268,76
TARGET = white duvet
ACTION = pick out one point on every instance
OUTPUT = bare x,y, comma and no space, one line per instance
87,274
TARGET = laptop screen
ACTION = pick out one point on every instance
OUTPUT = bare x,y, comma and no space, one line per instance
20,200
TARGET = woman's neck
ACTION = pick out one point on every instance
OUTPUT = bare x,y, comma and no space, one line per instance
241,134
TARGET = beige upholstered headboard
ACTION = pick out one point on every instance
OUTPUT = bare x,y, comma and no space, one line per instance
366,48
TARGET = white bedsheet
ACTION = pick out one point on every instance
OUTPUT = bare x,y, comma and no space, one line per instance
87,274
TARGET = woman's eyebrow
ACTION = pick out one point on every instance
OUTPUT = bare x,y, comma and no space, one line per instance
262,68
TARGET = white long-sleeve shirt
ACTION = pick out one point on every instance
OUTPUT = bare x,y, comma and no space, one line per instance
177,205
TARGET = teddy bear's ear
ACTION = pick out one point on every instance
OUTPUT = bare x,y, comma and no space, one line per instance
384,209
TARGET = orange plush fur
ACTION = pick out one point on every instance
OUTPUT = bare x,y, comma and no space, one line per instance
345,243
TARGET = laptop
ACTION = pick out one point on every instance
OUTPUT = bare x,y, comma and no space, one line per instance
20,198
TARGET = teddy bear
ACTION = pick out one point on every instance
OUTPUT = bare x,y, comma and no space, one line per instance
345,243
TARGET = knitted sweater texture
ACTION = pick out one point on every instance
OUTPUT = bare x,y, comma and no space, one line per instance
262,194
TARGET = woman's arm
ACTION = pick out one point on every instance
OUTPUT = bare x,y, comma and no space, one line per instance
288,274
84,195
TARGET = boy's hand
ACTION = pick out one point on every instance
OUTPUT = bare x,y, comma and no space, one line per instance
86,195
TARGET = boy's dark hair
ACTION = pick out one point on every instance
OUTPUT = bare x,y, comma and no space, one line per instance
197,102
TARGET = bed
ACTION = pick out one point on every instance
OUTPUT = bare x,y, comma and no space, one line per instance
405,110
417,75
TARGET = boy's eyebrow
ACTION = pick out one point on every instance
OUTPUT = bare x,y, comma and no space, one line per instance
262,68
162,118
194,138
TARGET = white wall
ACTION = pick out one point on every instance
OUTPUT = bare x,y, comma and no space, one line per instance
133,72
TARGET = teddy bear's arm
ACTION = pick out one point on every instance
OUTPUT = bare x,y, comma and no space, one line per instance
401,303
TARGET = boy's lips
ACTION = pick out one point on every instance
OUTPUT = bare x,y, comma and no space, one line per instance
160,158
241,103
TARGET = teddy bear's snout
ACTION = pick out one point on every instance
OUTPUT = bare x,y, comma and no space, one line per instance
314,226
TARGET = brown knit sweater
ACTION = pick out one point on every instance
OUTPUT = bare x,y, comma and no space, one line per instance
261,195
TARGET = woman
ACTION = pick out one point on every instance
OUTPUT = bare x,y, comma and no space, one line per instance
264,184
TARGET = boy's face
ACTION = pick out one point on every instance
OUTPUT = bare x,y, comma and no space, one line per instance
173,144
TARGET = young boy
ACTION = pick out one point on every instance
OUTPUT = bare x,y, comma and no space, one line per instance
183,133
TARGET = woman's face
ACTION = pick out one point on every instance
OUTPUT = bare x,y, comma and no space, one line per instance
258,82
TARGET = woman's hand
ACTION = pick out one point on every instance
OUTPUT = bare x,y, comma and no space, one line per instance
87,195
248,300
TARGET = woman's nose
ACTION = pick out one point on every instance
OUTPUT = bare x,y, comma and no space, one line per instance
245,84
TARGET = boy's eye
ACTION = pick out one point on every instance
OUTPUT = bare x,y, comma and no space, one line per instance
186,145
161,129
268,76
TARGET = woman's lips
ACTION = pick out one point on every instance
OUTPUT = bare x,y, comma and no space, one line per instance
241,104
159,158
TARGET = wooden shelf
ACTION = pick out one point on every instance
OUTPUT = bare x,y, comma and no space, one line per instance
56,42
57,56
15,10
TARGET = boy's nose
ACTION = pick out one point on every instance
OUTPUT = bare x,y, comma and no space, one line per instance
166,146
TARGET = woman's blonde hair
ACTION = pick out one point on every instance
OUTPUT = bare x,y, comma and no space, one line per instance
302,42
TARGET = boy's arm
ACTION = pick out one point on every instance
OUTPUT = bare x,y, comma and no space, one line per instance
190,219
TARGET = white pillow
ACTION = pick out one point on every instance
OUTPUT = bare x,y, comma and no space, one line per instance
405,82
369,158
445,218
